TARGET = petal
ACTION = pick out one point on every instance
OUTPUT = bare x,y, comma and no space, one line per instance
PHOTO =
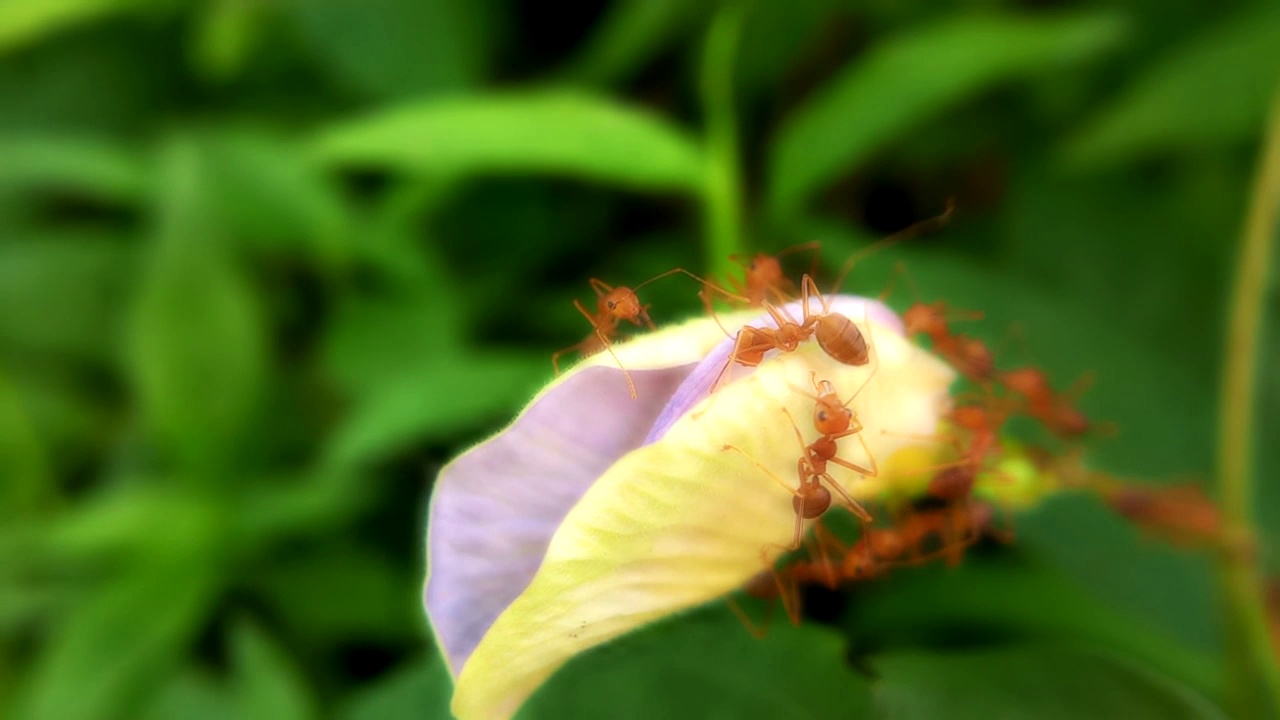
495,508
679,522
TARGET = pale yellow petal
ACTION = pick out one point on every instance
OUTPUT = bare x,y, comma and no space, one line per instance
679,522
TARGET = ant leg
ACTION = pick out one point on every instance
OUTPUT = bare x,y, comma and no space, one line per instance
609,346
757,631
854,506
873,471
760,466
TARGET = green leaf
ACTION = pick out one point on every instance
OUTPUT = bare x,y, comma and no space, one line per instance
544,132
63,294
226,34
1028,681
631,33
23,22
198,350
420,690
120,640
991,599
914,77
706,665
190,695
266,683
275,198
1213,91
437,399
28,483
397,48
93,167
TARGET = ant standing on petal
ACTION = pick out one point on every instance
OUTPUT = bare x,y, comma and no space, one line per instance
614,305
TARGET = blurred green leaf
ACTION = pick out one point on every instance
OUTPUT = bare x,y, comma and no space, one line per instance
28,484
547,131
421,690
397,48
92,167
275,198
23,22
265,682
912,77
120,640
273,510
333,591
63,293
225,35
439,398
631,33
991,599
1212,91
706,665
190,695
1028,681
124,523
198,353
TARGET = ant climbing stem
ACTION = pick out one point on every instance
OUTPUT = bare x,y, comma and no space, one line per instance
968,355
613,306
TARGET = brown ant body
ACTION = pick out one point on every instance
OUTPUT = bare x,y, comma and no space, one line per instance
1055,411
833,420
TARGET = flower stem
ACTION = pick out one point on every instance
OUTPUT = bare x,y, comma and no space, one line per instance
1253,676
723,189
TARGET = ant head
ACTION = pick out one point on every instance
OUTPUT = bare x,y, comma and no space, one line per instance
622,304
1026,381
927,319
764,269
830,417
970,417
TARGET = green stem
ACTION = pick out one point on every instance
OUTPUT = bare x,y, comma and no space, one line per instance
1253,677
723,190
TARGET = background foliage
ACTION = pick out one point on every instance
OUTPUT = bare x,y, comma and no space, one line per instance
265,266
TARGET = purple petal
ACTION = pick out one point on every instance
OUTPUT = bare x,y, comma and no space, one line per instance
495,508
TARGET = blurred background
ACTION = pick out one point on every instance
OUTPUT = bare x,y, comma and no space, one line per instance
266,265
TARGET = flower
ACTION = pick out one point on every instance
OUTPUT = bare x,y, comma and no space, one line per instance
592,514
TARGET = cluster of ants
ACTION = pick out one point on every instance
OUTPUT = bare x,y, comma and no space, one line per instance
948,519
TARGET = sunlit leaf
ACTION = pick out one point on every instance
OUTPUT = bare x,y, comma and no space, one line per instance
706,665
267,685
198,351
28,482
397,48
23,22
119,642
545,132
1209,92
92,167
1031,681
913,77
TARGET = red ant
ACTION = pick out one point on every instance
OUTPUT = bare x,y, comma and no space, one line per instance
833,419
1056,411
1182,514
836,334
613,305
763,276
968,355
874,554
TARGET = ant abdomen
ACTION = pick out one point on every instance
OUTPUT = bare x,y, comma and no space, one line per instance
840,338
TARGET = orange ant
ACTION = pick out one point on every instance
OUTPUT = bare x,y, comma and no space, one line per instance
613,305
873,555
833,419
763,276
968,355
1055,411
1182,514
836,334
